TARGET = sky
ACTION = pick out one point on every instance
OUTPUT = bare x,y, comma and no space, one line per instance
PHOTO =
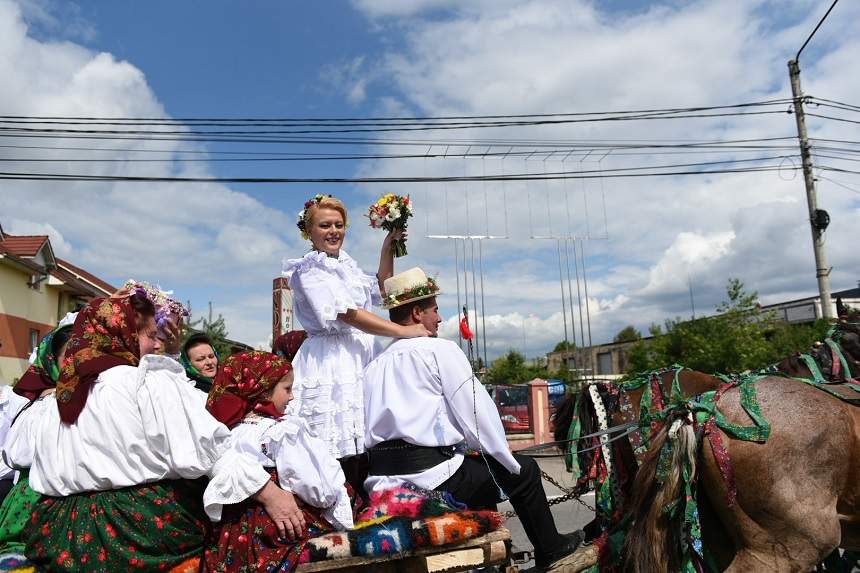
649,241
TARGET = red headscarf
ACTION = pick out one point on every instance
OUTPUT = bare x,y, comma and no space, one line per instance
104,336
287,345
243,384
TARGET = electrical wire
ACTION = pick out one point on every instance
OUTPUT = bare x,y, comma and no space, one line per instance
342,180
384,119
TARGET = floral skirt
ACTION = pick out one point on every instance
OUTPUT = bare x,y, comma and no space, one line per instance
14,513
247,540
149,527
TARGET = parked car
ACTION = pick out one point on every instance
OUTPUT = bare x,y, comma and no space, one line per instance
513,404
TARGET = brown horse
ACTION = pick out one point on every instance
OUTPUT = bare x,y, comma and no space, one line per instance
798,494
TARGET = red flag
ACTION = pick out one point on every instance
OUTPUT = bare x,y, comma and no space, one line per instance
465,331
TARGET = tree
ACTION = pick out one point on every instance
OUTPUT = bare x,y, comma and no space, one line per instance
513,369
627,334
215,329
564,345
740,337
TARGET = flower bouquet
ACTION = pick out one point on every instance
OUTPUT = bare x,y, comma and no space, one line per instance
391,212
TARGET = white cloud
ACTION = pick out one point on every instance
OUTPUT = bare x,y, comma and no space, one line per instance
206,242
563,56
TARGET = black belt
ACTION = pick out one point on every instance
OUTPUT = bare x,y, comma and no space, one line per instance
399,457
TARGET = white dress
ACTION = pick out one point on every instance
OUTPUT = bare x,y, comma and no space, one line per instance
305,467
328,366
140,424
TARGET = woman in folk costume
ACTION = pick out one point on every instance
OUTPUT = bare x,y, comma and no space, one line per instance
332,299
200,361
250,394
33,388
117,459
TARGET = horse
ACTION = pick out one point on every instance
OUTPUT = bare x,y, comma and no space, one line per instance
797,494
754,539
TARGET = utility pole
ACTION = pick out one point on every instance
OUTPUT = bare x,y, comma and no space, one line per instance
818,218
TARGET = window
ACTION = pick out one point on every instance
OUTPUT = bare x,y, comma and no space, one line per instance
604,363
34,339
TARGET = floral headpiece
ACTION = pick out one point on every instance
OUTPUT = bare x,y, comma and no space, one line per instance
302,223
165,306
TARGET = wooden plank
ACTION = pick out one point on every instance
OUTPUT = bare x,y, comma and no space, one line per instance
579,560
490,545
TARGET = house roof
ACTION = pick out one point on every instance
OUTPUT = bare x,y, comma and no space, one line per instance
67,268
23,245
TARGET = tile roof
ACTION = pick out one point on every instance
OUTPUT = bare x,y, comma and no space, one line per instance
68,267
23,245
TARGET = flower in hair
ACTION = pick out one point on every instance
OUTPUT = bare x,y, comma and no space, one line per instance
165,306
302,223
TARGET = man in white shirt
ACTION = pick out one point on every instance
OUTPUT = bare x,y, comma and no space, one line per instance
422,400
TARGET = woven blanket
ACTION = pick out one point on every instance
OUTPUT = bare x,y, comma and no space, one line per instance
400,520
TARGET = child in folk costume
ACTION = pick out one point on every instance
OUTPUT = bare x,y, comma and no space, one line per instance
250,394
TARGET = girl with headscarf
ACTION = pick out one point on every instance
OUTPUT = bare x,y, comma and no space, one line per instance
38,382
287,345
118,456
250,394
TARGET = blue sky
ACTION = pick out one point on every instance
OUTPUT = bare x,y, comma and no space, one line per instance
224,243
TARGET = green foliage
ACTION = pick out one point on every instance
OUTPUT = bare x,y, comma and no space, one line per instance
740,337
627,334
564,345
215,329
512,368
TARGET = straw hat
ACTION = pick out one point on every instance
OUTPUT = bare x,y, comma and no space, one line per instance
407,287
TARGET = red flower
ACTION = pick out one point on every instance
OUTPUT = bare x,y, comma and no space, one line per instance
84,558
102,554
242,538
110,530
158,523
88,537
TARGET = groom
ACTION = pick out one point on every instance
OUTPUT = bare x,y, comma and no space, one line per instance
422,402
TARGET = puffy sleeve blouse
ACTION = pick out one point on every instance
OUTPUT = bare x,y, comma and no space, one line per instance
140,424
324,287
304,464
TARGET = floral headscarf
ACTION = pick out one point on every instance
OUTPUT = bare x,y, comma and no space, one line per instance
287,345
104,336
242,385
45,370
201,382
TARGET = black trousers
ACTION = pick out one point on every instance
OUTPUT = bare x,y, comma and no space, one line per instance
473,485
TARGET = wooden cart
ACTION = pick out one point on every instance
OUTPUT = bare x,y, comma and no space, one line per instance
491,549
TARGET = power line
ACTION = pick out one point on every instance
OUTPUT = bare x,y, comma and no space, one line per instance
384,119
387,129
820,22
342,180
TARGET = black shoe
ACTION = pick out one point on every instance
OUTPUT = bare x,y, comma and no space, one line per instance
572,541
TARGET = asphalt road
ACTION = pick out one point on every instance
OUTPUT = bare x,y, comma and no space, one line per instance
569,516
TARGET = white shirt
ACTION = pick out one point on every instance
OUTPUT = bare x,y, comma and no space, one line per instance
139,425
422,390
10,404
305,467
